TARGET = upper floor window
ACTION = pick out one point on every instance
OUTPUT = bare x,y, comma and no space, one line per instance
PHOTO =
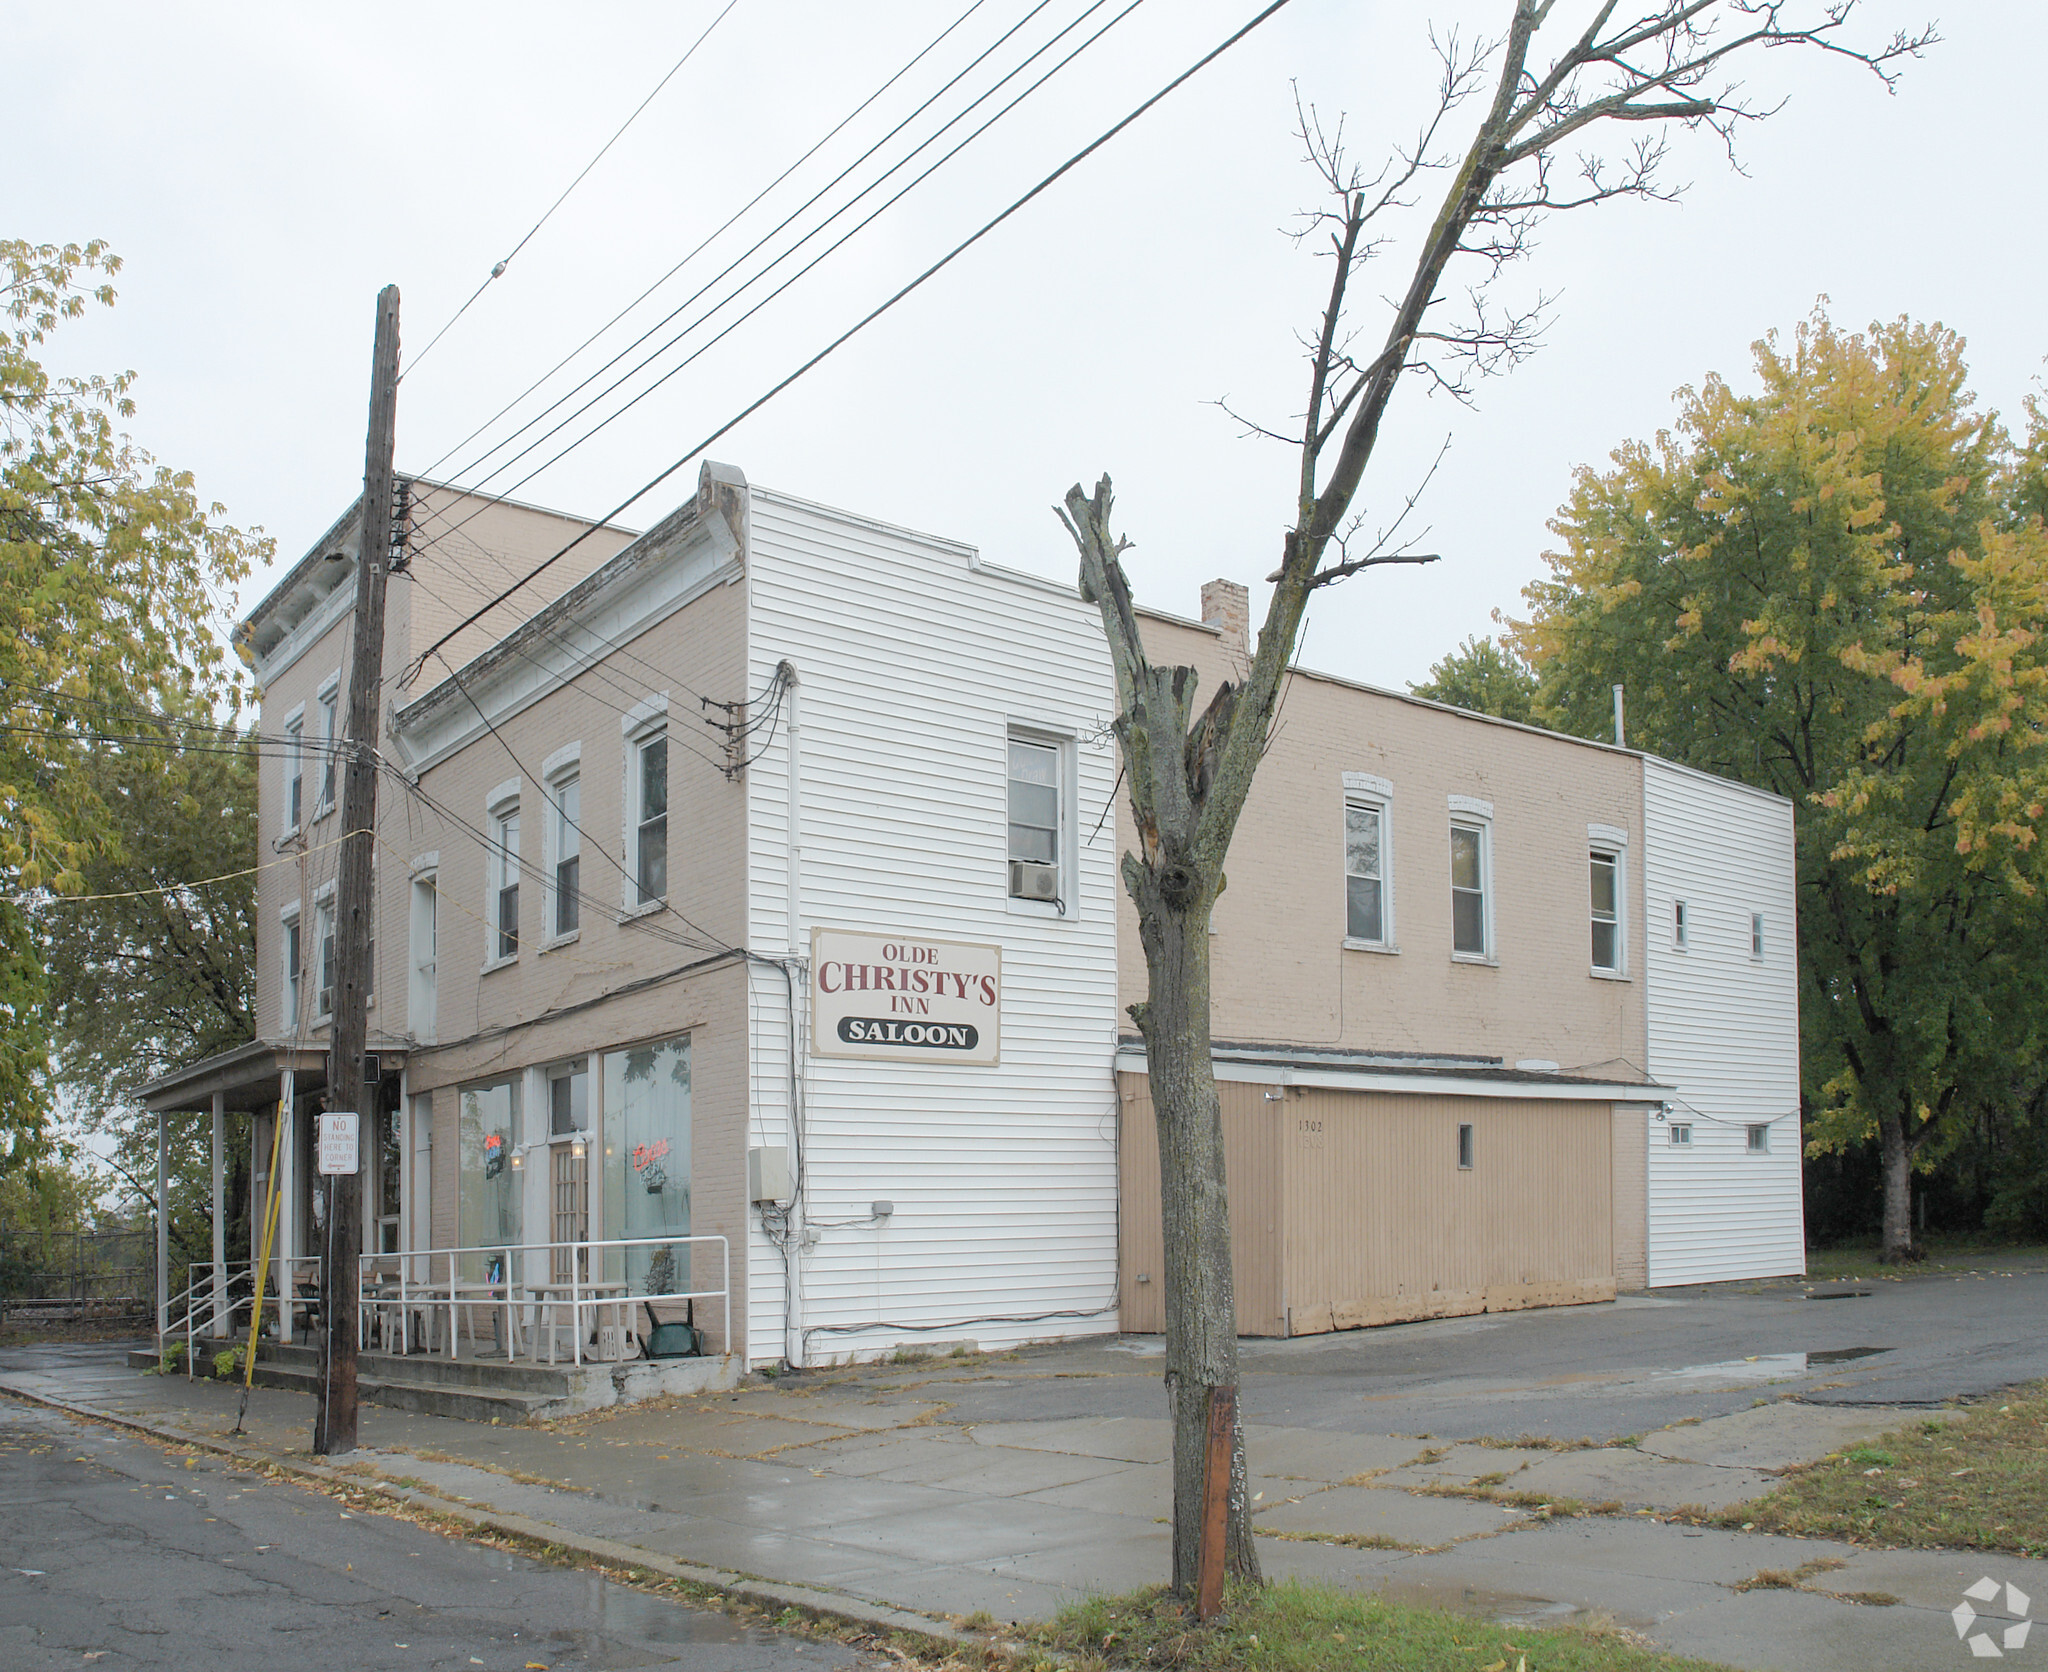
565,804
1036,827
502,928
1681,1133
1759,1139
426,949
323,952
1365,871
1756,936
294,771
1607,846
294,969
1678,925
650,817
330,720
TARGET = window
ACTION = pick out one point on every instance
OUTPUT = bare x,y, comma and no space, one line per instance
489,1212
566,807
646,1164
1606,911
1034,820
330,714
294,967
650,820
502,928
1365,873
1465,1146
294,770
1468,891
1681,1134
1678,925
323,952
1760,1139
1756,936
426,950
568,1100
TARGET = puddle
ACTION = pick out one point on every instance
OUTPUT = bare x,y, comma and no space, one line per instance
1764,1367
1842,1355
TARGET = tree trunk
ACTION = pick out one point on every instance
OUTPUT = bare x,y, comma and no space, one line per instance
1201,1305
1898,1192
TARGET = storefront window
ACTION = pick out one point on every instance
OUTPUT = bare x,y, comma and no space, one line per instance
490,1181
647,1163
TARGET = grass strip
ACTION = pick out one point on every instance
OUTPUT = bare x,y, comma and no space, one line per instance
1296,1627
1975,1478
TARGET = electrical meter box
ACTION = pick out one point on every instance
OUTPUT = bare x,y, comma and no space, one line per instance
768,1173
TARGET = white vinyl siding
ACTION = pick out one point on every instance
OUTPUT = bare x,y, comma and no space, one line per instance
914,670
1723,1031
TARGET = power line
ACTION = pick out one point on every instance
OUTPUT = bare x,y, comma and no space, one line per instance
755,247
713,237
499,269
876,313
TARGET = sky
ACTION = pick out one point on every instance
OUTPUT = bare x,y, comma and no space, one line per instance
264,169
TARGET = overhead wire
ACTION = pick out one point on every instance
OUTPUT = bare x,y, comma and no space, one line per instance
725,226
860,325
823,255
498,270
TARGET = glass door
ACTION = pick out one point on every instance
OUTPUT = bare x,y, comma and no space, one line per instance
569,1193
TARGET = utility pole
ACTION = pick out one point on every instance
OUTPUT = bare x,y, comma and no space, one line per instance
348,1087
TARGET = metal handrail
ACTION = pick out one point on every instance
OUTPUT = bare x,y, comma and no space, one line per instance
427,1292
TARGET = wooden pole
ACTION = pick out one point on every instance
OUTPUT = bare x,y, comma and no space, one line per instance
334,1428
1215,1501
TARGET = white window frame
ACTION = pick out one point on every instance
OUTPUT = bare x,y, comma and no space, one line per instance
1468,1146
324,961
1681,1134
1065,847
1681,927
1368,790
501,872
289,921
1756,937
1469,812
1607,841
294,773
1757,1138
644,722
559,772
329,703
424,948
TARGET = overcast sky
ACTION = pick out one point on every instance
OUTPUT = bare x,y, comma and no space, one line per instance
264,169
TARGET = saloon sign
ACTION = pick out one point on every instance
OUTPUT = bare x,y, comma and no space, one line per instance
902,999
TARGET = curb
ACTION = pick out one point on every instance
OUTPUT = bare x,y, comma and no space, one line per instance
822,1605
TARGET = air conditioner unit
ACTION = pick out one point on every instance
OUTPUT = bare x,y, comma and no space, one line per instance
1029,880
326,1004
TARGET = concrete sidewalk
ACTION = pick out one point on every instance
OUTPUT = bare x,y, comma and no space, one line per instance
870,1490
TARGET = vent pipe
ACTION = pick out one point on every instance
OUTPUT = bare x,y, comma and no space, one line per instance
1620,735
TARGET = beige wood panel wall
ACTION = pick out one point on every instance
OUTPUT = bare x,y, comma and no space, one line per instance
1383,1224
1252,1163
1631,1196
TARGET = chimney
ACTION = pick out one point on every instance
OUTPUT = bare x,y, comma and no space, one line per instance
1228,607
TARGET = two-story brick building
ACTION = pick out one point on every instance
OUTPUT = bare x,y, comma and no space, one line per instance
754,879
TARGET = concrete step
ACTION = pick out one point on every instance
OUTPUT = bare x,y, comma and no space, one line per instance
478,1390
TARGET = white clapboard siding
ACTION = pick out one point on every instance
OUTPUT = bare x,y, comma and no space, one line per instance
912,663
1723,1029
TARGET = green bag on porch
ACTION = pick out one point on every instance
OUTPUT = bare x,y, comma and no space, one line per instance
683,1340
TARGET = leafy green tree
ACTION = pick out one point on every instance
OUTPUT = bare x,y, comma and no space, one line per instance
111,578
1484,677
1833,588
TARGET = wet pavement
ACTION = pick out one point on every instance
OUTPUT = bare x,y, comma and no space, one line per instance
1014,1484
115,1552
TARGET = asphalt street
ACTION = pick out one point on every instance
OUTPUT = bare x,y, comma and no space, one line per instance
116,1552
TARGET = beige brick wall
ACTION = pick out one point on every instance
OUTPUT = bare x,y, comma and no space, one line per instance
1281,970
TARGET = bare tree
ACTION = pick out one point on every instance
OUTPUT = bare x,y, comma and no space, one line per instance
1189,772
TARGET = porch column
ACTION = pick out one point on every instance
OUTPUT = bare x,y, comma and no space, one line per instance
287,1205
163,1226
220,1218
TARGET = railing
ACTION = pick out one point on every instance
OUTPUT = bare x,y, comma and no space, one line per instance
387,1280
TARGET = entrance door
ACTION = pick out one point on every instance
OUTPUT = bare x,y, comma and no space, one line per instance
569,1181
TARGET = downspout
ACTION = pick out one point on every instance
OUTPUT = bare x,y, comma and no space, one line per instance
793,1221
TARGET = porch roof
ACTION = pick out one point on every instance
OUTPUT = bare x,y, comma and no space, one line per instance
247,1077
